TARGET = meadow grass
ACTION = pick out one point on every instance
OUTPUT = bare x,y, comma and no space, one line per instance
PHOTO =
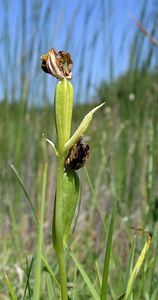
122,167
124,149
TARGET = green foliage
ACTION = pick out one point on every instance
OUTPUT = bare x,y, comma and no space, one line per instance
39,250
104,287
108,139
71,196
123,165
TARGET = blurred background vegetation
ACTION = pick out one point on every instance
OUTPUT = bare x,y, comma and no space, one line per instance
114,61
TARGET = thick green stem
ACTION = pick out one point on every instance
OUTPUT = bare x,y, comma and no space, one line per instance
59,228
63,104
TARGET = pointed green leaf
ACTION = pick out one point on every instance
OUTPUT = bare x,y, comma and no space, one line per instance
137,267
82,128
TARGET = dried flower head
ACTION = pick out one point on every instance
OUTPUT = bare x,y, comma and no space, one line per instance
77,156
58,64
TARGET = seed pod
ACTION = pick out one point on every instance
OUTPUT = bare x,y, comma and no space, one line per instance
63,104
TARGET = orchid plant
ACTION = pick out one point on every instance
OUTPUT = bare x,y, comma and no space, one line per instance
70,152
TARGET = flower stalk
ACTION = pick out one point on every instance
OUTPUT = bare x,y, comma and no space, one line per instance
63,104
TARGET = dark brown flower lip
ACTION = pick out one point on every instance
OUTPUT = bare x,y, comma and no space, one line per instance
58,64
44,67
77,155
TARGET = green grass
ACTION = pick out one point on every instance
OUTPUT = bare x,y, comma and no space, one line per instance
122,159
108,254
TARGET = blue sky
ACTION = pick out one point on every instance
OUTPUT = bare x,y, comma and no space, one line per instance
96,33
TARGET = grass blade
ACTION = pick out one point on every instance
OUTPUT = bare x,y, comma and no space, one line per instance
27,285
131,262
85,277
121,296
94,198
25,192
37,283
50,271
49,287
137,267
10,288
104,287
98,274
74,291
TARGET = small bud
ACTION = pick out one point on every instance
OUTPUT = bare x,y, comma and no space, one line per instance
58,64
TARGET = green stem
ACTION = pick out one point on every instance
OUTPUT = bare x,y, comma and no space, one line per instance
38,265
59,228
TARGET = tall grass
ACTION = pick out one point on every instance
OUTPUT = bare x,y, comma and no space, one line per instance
123,142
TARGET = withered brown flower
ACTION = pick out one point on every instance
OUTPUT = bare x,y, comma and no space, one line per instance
77,156
58,64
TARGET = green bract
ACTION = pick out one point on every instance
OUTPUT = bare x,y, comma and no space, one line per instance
63,104
82,128
70,192
70,198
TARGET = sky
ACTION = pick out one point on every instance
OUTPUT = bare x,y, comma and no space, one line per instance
97,33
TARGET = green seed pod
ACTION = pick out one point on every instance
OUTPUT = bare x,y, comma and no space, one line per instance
70,198
63,104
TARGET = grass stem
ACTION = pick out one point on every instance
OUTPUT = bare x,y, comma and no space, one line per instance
58,242
37,282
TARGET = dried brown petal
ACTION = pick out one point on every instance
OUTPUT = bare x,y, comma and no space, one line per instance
77,156
58,64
